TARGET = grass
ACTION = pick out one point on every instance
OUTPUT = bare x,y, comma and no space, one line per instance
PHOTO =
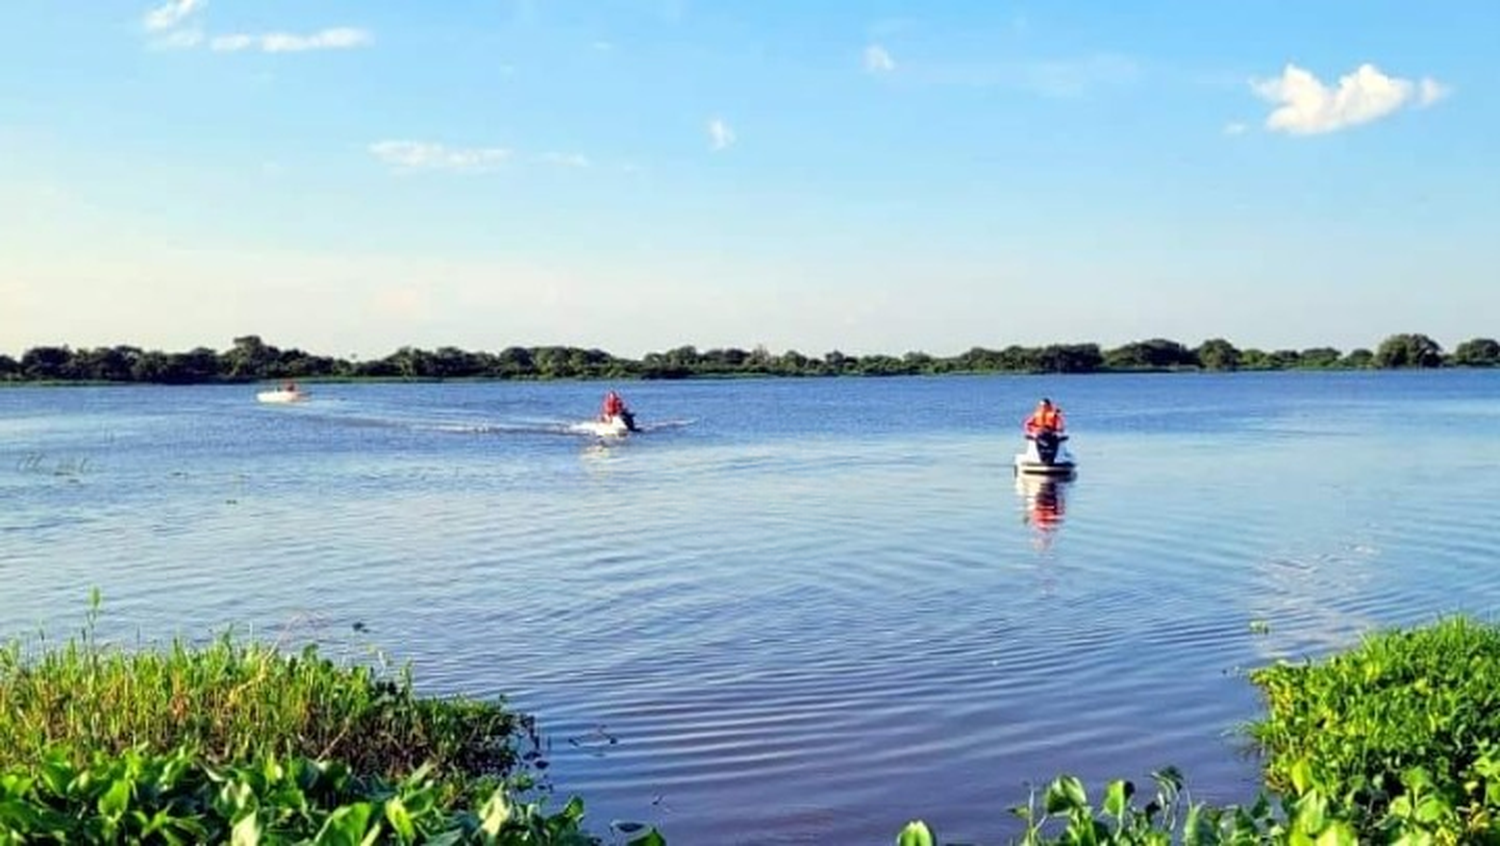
240,700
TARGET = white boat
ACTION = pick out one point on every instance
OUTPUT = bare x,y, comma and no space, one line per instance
1046,454
281,395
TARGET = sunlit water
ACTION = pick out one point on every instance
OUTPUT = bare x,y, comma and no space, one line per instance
792,610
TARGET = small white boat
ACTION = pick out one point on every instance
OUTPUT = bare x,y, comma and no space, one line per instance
281,395
1046,454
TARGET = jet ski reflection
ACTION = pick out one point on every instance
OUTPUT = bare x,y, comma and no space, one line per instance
1046,500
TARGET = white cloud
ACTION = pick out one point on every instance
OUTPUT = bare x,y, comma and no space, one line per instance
720,135
232,43
170,14
337,38
565,159
878,59
426,155
179,39
1430,91
1305,106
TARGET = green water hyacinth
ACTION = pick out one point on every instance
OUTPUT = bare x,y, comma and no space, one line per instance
178,798
1402,730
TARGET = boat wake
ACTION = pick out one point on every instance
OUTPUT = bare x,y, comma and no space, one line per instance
476,425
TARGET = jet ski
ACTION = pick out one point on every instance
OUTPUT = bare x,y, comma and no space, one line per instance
1046,454
615,425
281,395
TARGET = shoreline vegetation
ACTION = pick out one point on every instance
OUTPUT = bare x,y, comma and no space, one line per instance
239,741
1394,740
250,359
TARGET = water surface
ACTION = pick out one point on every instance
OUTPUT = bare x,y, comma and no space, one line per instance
793,610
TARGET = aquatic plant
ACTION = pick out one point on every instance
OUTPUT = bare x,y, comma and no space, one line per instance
238,740
236,700
179,797
1405,727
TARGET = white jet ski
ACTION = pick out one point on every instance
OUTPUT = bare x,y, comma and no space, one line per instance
614,426
1046,454
281,395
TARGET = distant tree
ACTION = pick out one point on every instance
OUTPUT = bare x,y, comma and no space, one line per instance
1217,354
1018,359
978,359
150,366
9,368
199,364
919,362
1283,359
881,365
1153,354
835,362
47,363
1319,357
377,368
724,360
1409,350
1069,358
103,364
791,363
250,358
1358,359
1478,352
1252,358
759,360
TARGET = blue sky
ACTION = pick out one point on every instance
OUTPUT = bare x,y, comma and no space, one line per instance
350,177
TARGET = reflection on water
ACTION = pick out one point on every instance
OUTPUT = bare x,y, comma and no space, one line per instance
1044,502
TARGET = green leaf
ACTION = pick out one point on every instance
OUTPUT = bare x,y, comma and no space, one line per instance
400,820
1302,779
116,799
652,838
247,831
1065,793
916,833
1116,796
1338,834
345,826
494,813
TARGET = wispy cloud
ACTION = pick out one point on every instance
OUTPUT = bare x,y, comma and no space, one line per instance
720,135
427,155
565,159
172,13
178,39
177,24
1304,105
1072,77
1430,91
878,60
1063,78
337,38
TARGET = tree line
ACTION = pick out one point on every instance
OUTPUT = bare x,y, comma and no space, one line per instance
251,359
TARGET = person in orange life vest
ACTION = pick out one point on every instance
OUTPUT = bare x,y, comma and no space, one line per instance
613,406
1046,418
